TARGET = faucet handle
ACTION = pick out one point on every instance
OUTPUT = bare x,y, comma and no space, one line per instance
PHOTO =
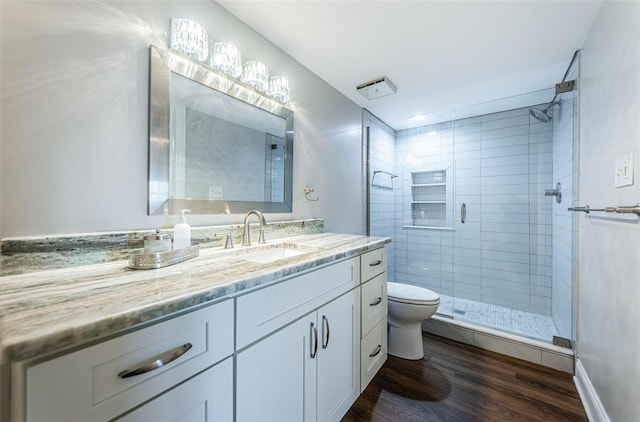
261,236
228,244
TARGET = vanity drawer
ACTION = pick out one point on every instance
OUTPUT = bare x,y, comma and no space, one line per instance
206,397
264,311
373,353
374,302
373,263
88,384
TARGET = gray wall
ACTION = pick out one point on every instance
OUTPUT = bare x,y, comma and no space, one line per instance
74,79
609,264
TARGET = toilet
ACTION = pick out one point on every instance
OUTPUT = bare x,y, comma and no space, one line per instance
408,307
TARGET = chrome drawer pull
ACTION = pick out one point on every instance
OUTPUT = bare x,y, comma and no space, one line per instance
376,352
377,302
313,341
156,362
325,323
375,263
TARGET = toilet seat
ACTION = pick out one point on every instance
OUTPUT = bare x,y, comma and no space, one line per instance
413,295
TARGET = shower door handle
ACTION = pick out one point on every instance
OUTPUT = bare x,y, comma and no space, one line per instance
463,213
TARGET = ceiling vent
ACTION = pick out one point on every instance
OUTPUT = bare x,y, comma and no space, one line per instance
377,88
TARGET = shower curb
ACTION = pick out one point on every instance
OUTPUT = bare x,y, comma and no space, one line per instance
534,351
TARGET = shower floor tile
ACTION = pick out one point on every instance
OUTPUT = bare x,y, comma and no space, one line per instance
540,327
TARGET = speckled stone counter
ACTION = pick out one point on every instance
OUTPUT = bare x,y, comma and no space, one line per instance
52,310
27,255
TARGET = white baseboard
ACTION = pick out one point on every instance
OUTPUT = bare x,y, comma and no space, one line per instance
590,400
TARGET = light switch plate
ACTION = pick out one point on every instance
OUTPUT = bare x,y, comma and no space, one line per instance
215,192
624,170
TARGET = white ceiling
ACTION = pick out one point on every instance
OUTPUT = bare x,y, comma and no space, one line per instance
440,54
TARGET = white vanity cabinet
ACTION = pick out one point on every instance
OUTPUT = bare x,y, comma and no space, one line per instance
374,314
300,348
104,381
309,368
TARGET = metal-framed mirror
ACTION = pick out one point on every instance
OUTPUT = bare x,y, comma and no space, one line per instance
216,145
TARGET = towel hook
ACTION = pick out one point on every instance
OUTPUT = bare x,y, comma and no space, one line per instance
307,191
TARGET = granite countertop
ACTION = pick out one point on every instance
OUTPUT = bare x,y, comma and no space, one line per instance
52,310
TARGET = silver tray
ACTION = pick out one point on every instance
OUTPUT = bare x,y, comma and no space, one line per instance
139,260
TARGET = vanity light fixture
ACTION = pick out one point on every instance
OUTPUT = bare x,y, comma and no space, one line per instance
256,75
227,58
190,38
279,88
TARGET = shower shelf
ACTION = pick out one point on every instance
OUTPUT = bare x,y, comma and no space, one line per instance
409,226
428,202
420,185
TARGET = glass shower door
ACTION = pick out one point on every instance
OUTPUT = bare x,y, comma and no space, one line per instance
503,243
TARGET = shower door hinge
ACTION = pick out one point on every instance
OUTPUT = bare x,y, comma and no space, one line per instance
562,342
565,86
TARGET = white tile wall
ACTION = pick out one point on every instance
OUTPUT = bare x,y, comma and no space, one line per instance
383,187
501,255
507,253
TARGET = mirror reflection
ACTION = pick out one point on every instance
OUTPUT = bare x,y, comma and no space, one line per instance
223,148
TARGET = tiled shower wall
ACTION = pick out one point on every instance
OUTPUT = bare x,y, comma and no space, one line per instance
381,187
502,254
424,257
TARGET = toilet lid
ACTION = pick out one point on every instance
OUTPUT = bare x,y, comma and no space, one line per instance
406,293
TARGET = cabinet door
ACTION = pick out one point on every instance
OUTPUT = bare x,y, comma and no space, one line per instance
339,356
276,377
207,397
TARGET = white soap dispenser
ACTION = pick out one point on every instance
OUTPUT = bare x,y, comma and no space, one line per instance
182,232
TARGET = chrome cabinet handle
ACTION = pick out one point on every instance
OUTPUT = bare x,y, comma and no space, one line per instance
156,362
325,323
376,352
375,263
377,302
463,213
313,340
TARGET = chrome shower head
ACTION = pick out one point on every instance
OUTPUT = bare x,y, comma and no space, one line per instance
540,115
543,115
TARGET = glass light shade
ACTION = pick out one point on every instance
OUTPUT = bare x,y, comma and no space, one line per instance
188,37
279,88
227,58
256,75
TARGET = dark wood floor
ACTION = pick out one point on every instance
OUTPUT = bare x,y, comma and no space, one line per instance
457,382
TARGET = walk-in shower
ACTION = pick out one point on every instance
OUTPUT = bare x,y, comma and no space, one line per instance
464,202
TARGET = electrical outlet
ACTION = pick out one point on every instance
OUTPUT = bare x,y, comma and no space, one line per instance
624,171
215,192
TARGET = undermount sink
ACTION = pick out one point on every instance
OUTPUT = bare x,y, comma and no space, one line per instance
272,254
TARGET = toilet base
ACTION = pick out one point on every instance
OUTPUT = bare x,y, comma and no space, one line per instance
405,341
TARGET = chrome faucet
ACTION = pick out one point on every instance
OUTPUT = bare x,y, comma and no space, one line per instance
246,237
